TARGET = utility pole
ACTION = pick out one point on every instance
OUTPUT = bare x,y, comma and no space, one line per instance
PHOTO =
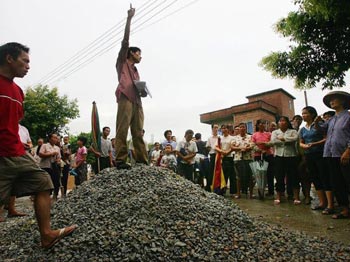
305,97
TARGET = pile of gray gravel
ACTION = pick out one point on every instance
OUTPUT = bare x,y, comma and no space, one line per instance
151,214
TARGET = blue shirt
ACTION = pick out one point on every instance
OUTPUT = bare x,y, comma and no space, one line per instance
338,134
310,136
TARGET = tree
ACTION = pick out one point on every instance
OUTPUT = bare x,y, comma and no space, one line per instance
320,30
46,112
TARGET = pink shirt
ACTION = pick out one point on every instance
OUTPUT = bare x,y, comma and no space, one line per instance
79,157
262,137
127,73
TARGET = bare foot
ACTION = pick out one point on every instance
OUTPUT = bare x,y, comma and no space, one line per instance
15,213
2,219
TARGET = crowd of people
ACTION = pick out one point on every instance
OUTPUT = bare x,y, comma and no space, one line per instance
298,155
316,154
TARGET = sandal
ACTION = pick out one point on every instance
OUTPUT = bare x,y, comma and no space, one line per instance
328,211
340,216
318,207
297,202
63,232
277,201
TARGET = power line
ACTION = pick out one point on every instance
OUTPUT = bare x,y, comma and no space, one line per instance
166,16
112,45
106,49
97,41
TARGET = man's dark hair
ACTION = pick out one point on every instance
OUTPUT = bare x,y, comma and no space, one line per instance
13,49
49,136
330,113
166,132
103,129
133,49
297,117
188,132
83,139
198,136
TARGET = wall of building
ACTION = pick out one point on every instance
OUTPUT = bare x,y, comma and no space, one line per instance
253,116
283,102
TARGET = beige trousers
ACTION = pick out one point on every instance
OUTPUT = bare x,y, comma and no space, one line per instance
129,115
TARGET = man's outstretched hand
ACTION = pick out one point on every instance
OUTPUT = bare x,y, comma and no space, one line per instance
131,12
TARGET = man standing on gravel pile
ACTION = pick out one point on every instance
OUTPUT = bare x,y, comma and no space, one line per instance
19,173
130,112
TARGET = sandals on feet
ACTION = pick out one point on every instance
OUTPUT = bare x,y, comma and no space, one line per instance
328,211
277,201
318,207
297,202
63,232
340,216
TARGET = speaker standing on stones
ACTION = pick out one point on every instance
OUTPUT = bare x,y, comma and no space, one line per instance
130,112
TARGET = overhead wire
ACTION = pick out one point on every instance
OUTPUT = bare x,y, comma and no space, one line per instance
59,77
107,48
166,16
93,44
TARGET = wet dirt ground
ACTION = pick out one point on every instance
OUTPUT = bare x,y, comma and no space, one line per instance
300,218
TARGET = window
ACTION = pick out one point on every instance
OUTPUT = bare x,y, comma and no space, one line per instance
250,127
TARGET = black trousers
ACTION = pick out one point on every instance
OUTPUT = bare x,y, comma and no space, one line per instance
318,171
229,173
340,180
64,178
211,172
186,170
54,173
286,167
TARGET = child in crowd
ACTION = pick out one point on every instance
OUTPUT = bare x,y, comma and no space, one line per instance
168,159
155,154
80,167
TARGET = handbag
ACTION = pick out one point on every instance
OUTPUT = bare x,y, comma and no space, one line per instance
141,87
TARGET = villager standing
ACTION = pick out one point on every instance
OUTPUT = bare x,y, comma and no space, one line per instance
30,179
105,156
337,147
50,155
130,111
284,141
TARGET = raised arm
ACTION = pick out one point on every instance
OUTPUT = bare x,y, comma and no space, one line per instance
123,53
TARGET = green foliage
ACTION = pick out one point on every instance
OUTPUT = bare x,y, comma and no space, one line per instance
47,112
320,31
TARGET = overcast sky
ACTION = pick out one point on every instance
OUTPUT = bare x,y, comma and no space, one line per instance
201,59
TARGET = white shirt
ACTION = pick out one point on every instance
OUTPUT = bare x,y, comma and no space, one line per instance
226,143
24,134
285,148
212,142
48,148
155,155
190,147
106,147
